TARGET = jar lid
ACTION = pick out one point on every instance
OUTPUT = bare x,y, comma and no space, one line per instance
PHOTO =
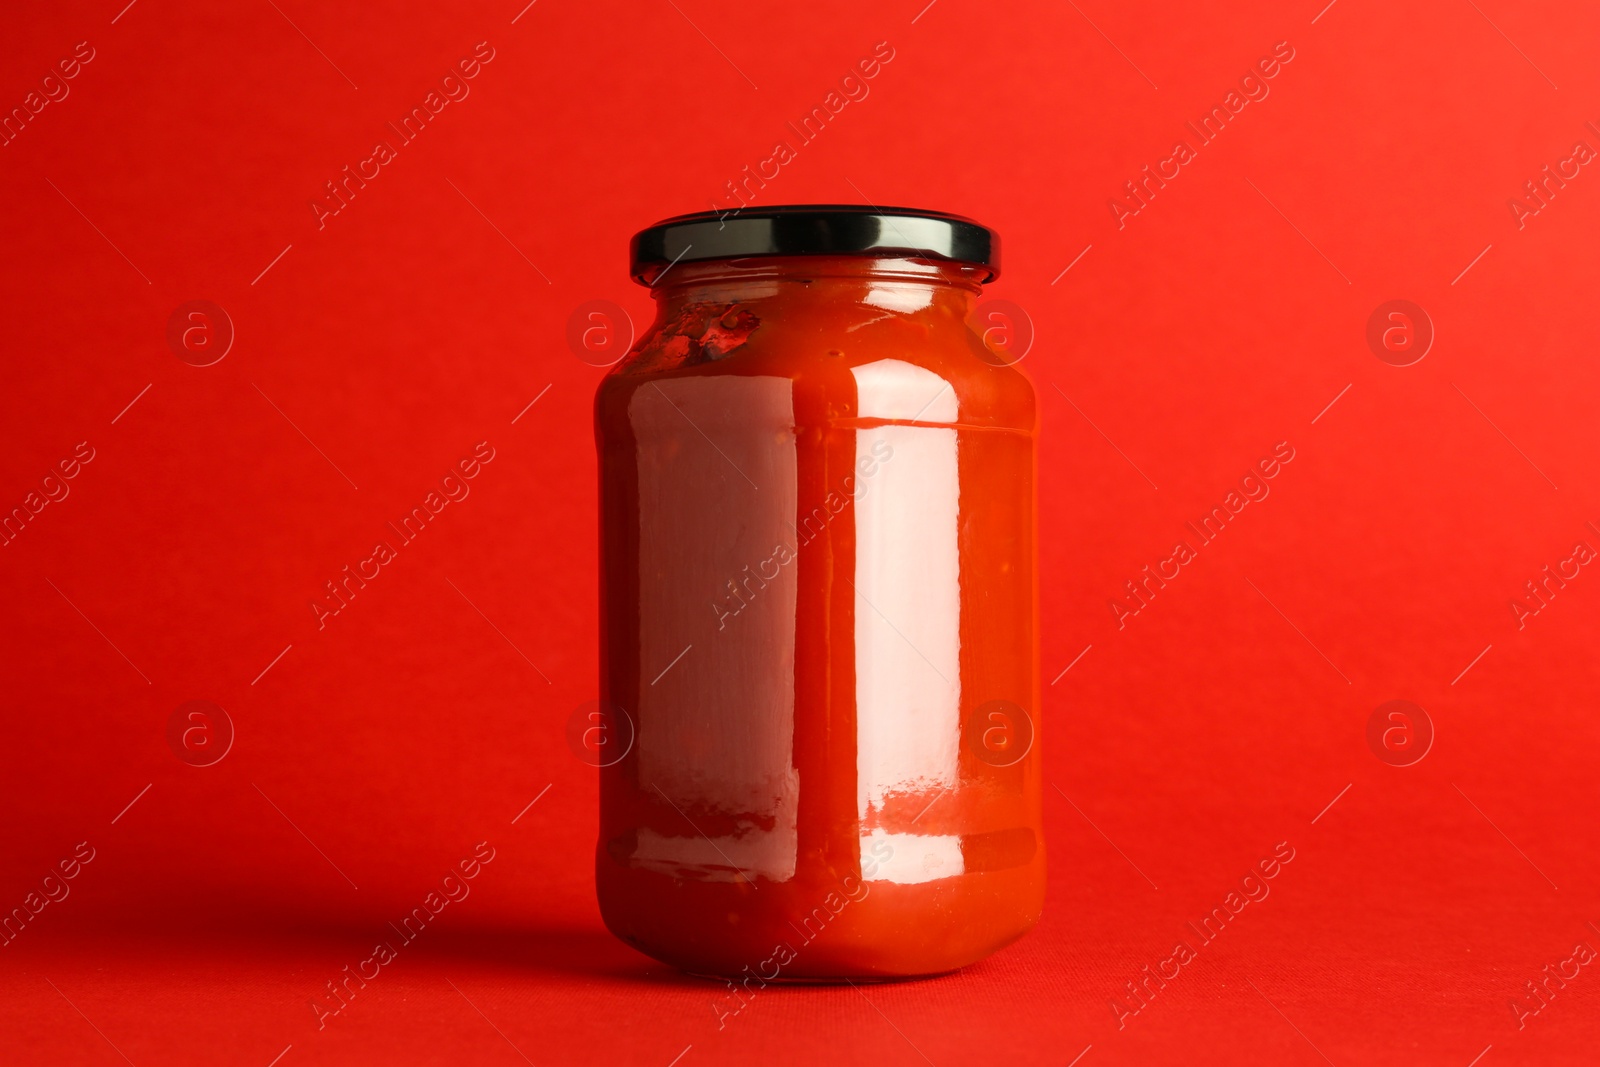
812,230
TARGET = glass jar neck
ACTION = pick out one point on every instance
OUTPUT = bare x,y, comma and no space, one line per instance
800,280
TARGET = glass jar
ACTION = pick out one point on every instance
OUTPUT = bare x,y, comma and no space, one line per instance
819,603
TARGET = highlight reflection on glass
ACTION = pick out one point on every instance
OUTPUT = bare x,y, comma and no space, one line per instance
908,633
716,730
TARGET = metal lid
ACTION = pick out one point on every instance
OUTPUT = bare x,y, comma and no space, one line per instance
812,230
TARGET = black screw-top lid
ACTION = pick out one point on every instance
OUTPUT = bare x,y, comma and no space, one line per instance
812,230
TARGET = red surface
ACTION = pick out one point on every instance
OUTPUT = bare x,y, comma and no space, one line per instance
1220,721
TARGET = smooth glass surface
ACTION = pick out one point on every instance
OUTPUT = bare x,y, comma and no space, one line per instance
819,611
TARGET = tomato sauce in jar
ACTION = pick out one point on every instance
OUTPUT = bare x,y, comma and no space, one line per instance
819,603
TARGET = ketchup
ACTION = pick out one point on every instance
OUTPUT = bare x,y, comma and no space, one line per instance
819,605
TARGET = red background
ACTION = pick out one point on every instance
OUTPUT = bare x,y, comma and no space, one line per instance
1223,318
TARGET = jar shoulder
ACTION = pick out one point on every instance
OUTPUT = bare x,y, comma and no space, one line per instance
853,363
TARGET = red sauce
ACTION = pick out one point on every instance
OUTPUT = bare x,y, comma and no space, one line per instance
819,614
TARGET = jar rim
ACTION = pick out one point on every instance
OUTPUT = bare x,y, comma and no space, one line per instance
810,230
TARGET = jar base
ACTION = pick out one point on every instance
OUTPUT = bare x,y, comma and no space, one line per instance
794,932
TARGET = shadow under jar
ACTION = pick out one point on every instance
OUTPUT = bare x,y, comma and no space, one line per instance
819,603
